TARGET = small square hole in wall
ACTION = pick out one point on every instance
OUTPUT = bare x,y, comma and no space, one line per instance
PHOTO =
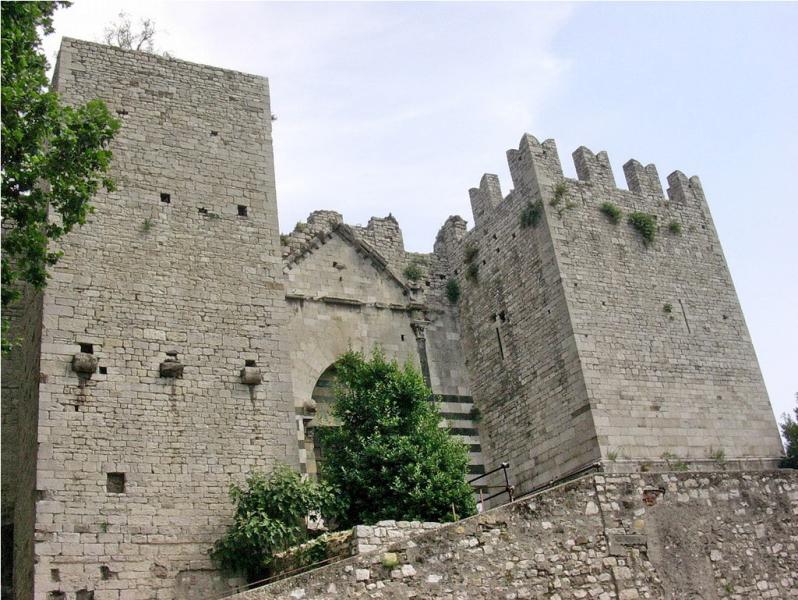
249,363
55,575
166,198
87,348
214,133
242,210
115,483
103,370
202,211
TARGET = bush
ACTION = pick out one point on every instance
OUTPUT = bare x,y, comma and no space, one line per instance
389,457
530,216
645,224
612,212
270,516
675,228
413,271
471,253
789,430
453,291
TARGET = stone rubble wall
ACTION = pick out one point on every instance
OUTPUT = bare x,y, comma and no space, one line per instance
670,536
368,538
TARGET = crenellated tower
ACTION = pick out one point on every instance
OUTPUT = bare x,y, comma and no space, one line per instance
586,342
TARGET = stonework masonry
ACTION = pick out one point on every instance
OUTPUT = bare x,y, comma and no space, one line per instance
616,537
182,342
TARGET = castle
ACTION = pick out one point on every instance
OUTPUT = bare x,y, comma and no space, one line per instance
182,342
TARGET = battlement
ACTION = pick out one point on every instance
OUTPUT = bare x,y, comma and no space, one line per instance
535,169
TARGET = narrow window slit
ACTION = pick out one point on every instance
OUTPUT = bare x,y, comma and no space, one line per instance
501,348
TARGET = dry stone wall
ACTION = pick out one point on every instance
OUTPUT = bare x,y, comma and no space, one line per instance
667,536
180,266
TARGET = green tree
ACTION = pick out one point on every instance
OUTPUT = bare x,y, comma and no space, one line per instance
54,157
789,430
389,458
270,516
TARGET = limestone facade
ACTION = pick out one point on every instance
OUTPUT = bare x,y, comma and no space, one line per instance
211,333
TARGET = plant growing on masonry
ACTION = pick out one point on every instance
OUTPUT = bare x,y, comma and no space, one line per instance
612,212
475,415
675,227
452,291
612,455
645,224
530,216
471,253
789,431
270,516
667,307
389,458
472,272
413,271
718,455
146,225
559,193
42,142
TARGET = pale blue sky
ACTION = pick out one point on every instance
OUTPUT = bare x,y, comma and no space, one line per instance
400,107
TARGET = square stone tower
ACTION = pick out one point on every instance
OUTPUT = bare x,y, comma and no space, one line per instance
139,416
587,343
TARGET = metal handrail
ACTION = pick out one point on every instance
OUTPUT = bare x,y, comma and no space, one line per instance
506,488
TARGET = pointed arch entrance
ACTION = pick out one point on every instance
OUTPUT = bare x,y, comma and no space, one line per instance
319,416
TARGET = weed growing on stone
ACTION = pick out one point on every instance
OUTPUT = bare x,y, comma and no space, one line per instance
475,415
675,228
413,271
146,225
472,272
645,224
612,455
667,307
471,253
718,455
559,193
453,291
612,212
530,216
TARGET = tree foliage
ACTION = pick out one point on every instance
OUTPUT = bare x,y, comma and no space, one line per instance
54,159
270,516
789,430
389,458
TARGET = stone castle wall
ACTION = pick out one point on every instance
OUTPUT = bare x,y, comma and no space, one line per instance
606,537
184,257
20,415
559,353
583,341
